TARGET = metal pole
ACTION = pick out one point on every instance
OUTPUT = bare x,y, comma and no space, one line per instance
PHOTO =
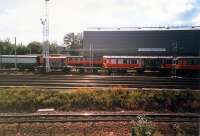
1,58
45,23
175,48
92,57
15,53
199,125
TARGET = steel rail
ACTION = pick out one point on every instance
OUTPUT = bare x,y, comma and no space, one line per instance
96,85
94,118
87,81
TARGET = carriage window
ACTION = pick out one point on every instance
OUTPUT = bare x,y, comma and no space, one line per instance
196,61
139,61
189,61
125,61
133,61
108,60
120,61
169,61
113,61
175,61
163,61
158,61
192,61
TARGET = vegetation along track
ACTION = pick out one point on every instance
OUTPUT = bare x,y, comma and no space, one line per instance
86,117
75,81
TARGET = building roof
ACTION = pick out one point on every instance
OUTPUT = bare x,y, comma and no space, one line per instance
131,57
143,28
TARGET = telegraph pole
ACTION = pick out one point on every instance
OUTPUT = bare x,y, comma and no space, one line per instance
45,47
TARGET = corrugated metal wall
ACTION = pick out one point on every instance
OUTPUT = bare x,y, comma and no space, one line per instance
147,42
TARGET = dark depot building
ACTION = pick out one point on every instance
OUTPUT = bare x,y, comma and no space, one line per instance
141,42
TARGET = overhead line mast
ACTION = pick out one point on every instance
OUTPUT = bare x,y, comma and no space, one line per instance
45,47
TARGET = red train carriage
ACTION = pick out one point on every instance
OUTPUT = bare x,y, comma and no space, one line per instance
158,63
82,64
139,63
56,62
188,64
122,63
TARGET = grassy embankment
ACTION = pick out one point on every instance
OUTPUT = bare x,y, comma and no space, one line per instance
30,99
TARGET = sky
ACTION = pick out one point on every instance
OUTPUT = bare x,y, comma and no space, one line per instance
21,18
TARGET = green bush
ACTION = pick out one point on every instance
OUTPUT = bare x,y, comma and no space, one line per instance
143,127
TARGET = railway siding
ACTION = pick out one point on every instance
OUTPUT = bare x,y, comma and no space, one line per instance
62,118
75,81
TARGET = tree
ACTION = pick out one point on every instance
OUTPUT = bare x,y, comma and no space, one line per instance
69,39
21,49
73,43
53,48
6,48
35,47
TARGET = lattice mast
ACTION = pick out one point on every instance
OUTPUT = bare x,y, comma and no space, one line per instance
45,47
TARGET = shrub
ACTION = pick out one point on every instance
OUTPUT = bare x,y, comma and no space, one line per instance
143,127
29,100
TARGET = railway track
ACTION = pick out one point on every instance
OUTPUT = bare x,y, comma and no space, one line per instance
89,81
86,117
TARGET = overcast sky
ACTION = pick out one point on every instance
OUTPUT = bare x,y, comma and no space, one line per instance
21,18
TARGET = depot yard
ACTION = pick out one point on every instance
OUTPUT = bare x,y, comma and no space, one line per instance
169,106
26,93
27,100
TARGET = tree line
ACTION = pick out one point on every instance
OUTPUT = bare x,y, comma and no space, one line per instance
72,44
7,48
